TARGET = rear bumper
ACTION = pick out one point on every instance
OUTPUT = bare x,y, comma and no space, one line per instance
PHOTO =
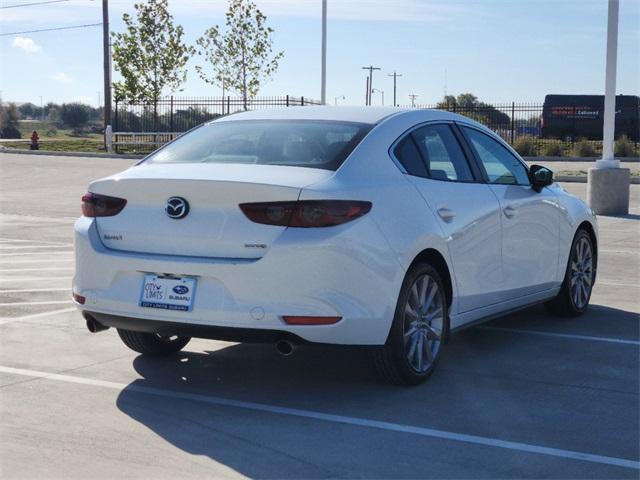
228,334
345,272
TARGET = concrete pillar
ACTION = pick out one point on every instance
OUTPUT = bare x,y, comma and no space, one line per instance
608,190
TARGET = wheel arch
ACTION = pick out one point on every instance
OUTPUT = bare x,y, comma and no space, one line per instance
591,231
434,258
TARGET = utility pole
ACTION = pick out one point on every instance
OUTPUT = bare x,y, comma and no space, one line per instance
413,97
366,93
395,77
106,65
371,68
323,88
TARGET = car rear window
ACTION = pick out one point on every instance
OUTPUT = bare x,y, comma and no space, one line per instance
300,143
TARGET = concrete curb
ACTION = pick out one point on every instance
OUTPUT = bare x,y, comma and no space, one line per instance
576,159
635,180
71,154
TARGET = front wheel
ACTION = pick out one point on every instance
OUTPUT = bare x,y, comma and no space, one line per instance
420,324
152,343
580,274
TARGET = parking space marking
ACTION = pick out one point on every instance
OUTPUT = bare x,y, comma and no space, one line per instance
4,320
33,279
328,417
43,269
34,254
21,240
30,290
35,247
28,304
561,335
48,260
616,284
626,252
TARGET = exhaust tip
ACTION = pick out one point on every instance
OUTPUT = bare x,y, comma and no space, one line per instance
93,325
285,348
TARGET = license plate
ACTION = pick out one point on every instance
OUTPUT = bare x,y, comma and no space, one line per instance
168,293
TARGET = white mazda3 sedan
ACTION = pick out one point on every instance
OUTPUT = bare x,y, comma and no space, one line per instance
375,227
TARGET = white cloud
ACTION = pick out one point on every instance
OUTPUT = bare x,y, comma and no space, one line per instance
62,77
27,44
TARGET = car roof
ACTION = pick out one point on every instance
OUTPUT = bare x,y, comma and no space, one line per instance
370,115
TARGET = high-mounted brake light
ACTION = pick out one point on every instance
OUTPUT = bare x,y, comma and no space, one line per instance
305,213
95,205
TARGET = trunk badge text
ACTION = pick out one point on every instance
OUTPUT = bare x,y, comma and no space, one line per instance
177,207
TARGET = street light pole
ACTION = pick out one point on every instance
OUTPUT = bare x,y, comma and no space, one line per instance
323,88
608,184
377,90
106,65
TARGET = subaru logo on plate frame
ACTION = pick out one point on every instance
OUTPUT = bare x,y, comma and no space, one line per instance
177,207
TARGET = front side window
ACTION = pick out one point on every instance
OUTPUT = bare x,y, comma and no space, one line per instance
300,143
501,165
442,153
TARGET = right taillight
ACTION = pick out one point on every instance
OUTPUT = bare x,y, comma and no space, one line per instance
305,213
95,205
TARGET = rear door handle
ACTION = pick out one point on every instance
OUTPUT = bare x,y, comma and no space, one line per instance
446,214
509,211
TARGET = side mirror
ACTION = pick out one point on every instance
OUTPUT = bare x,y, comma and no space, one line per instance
540,177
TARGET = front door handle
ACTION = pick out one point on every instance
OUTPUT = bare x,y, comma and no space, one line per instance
446,214
509,211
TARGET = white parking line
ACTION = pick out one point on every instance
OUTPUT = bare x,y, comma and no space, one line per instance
26,304
34,254
35,247
33,279
43,269
562,335
626,252
616,284
47,260
21,240
4,320
29,290
328,417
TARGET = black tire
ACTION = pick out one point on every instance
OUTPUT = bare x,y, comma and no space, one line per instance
392,359
152,343
565,304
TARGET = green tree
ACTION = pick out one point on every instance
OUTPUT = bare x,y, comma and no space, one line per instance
150,55
74,115
468,104
9,117
241,58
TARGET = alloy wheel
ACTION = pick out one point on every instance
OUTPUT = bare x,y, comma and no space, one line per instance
423,323
581,273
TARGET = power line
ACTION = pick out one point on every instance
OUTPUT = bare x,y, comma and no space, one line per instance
32,4
51,29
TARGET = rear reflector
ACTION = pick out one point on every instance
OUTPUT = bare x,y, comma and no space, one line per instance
95,205
305,213
311,320
79,298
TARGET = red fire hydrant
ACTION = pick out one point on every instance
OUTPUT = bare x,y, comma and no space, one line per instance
34,141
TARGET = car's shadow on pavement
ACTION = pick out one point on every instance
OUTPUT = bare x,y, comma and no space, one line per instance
487,372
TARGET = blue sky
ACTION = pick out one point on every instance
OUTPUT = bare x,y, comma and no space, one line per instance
500,50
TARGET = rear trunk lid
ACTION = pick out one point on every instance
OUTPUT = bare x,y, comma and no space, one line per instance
214,226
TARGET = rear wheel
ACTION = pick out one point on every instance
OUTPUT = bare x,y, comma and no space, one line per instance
575,293
420,324
152,343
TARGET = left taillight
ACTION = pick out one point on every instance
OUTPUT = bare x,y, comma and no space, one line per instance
95,205
305,213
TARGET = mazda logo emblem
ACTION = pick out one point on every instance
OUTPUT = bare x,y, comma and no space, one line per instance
177,207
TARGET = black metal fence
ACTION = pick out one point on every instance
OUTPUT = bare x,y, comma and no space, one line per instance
518,123
179,114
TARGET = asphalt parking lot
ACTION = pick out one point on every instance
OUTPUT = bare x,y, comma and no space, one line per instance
527,395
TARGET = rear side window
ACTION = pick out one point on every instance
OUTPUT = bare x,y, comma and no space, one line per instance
300,143
442,154
407,154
